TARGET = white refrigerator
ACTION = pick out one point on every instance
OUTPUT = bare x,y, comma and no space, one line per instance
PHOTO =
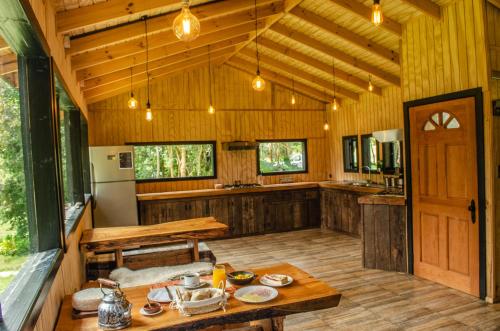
113,186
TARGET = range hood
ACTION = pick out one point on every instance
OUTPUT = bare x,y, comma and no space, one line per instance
388,135
239,145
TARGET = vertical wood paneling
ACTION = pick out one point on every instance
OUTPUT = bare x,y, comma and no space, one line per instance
179,111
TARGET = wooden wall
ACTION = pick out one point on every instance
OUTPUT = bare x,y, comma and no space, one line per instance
179,110
68,279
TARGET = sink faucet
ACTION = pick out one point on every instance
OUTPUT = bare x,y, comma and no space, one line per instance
369,174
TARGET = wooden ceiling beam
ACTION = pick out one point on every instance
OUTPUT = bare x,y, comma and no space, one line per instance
158,53
495,3
124,75
346,34
298,73
248,67
211,16
330,51
106,91
310,61
113,52
426,6
365,12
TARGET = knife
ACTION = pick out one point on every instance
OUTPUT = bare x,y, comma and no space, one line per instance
169,294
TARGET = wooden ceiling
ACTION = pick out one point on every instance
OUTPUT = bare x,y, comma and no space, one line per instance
298,40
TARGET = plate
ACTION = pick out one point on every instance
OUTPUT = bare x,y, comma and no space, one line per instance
200,285
266,281
143,312
159,295
256,294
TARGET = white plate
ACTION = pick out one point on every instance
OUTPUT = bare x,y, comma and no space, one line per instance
266,281
160,295
256,294
143,312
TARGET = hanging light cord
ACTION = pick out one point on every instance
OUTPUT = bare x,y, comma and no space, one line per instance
131,81
210,75
256,42
147,50
334,80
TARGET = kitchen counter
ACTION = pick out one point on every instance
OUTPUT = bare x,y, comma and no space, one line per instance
374,199
374,189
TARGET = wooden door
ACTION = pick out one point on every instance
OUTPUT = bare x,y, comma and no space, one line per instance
444,186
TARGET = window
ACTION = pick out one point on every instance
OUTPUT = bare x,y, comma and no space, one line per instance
350,152
282,157
175,161
392,158
370,154
14,233
441,120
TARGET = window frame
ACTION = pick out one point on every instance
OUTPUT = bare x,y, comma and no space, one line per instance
281,173
170,143
350,170
363,170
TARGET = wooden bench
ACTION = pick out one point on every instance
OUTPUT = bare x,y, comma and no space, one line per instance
118,239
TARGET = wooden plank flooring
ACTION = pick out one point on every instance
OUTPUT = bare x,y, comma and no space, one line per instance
372,299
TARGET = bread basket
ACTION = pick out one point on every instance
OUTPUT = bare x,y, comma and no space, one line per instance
188,308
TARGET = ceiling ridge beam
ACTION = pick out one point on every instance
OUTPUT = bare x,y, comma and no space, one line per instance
426,6
209,14
364,12
135,71
346,34
110,54
248,67
317,64
302,38
299,73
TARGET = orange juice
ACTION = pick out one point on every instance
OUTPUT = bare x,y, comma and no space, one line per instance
218,275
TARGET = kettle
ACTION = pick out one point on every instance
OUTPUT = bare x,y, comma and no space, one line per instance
114,311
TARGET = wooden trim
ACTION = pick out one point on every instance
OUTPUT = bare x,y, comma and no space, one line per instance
310,61
302,38
426,6
212,16
478,95
495,3
366,13
301,74
346,34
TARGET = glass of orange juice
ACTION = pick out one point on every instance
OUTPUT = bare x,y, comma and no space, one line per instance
218,275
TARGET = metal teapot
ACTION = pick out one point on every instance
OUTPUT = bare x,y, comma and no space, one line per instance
114,311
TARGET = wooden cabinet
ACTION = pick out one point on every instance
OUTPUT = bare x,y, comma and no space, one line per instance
245,214
340,211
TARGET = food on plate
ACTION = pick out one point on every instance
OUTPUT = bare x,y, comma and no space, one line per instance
243,276
278,279
202,294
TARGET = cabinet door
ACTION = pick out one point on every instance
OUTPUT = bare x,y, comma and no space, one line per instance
337,210
355,223
221,209
300,214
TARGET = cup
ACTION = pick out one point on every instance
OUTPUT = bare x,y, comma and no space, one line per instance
191,280
218,275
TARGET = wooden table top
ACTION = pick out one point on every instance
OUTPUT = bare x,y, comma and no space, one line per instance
197,228
306,293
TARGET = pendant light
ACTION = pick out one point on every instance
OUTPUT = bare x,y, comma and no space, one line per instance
186,26
132,102
258,83
326,126
149,113
370,85
211,109
377,17
293,101
335,105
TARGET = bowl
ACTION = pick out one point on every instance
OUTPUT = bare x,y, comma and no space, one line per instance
152,308
241,277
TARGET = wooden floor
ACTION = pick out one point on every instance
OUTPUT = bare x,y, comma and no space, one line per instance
372,299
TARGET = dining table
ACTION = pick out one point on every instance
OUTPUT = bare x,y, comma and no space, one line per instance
306,293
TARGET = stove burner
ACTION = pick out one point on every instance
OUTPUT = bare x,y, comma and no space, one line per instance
241,186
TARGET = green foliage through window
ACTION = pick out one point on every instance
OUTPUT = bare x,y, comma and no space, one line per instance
175,161
282,157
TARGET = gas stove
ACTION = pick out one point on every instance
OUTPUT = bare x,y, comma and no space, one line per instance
241,186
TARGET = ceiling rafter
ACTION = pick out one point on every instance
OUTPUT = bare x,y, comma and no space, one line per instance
366,13
310,61
249,67
172,58
427,7
330,51
208,15
346,34
123,87
495,3
299,73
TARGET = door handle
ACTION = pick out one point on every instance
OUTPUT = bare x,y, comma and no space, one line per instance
472,209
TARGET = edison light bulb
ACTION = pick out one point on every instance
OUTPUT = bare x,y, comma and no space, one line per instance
132,102
377,17
211,109
258,83
293,99
326,126
370,86
335,105
149,113
186,26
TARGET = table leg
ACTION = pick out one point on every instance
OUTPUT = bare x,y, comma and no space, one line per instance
119,258
278,323
196,252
